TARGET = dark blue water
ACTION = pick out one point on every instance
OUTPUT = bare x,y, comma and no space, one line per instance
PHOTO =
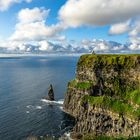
23,82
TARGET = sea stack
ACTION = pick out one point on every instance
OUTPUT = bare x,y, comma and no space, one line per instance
50,96
93,52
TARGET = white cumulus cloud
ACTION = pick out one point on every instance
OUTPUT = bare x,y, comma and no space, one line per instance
32,26
5,4
119,28
32,15
45,46
135,46
98,12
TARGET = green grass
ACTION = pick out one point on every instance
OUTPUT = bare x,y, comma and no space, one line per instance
124,61
115,105
134,97
80,85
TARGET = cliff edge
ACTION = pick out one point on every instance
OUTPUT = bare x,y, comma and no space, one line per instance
104,97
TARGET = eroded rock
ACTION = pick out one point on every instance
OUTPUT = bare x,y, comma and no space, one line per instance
50,96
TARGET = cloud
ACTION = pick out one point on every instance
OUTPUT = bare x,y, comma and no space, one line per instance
121,15
134,34
32,15
31,26
45,46
85,46
102,46
5,4
134,47
98,12
119,28
32,32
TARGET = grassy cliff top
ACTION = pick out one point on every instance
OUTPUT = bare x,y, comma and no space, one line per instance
124,60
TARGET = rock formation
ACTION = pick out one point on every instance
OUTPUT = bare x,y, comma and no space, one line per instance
104,97
50,96
93,52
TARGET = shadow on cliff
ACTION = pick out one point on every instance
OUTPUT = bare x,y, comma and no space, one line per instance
67,124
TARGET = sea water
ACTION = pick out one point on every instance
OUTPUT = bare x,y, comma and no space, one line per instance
23,83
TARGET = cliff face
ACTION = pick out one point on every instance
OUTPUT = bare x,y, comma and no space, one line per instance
104,97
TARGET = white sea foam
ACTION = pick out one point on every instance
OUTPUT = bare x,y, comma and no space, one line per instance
27,112
61,107
66,136
29,106
59,102
38,107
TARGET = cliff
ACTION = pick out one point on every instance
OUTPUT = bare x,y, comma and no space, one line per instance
104,97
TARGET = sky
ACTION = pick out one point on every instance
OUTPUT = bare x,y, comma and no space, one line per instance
69,26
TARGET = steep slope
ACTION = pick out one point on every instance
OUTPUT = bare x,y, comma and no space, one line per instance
104,97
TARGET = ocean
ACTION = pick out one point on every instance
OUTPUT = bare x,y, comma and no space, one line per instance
23,83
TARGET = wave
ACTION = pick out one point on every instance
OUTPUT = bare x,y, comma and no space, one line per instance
61,108
38,107
59,102
29,106
27,112
66,136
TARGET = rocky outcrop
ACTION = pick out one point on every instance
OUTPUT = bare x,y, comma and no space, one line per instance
50,96
104,97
